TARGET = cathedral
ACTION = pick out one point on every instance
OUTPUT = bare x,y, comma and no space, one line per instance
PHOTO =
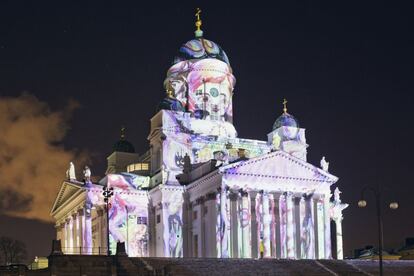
200,190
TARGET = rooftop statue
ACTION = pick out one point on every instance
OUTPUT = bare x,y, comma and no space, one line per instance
70,173
337,197
324,164
87,174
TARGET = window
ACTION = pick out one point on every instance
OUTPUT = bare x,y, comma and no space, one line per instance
158,218
138,167
143,220
195,215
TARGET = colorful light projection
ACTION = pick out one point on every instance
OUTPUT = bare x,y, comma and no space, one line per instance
201,48
287,226
320,229
265,223
244,226
307,235
128,212
291,140
200,144
204,87
283,226
223,223
172,202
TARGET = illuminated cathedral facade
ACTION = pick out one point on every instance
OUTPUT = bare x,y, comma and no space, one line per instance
201,191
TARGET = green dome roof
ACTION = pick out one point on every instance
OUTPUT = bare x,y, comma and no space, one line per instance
123,146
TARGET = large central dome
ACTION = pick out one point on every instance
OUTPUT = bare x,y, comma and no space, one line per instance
200,48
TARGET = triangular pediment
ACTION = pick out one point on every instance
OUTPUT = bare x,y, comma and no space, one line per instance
276,170
67,190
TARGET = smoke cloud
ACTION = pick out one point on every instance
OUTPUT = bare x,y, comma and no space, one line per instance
32,161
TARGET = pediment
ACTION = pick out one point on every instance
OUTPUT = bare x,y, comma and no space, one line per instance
277,171
67,190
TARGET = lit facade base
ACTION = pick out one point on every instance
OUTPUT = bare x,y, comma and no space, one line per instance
228,212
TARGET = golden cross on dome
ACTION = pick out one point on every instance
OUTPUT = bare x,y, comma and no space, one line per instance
198,14
285,106
198,21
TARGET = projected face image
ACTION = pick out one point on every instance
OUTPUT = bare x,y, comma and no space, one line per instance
211,100
208,86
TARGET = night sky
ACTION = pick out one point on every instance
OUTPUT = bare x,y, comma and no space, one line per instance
346,69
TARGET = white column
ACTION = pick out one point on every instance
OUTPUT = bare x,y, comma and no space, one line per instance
266,219
87,231
202,228
303,228
259,222
327,222
274,212
225,219
77,234
246,224
235,229
290,225
320,228
283,226
101,228
63,236
310,214
219,224
307,228
81,220
339,247
70,235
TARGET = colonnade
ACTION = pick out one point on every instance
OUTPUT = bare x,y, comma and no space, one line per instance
75,232
273,225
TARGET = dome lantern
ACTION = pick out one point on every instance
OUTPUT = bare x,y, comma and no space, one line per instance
199,47
198,32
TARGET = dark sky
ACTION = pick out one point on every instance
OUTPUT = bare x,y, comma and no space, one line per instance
345,67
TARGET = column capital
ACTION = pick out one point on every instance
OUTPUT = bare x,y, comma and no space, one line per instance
81,212
211,196
288,194
200,200
233,195
59,226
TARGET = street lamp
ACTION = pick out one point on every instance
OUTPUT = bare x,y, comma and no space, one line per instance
378,199
107,194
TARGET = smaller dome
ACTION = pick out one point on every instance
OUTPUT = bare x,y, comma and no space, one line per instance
285,120
170,103
123,146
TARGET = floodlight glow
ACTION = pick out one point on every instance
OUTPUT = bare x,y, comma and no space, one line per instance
394,205
362,203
